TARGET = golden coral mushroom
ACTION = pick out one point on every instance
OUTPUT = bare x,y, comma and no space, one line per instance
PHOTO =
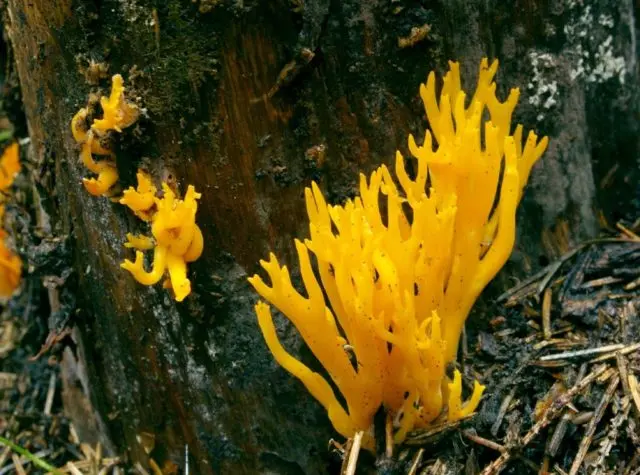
10,263
177,239
399,267
141,199
10,268
117,114
9,166
102,184
139,242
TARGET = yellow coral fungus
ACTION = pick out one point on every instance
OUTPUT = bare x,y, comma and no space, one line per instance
9,166
139,242
400,266
117,114
178,238
10,263
10,267
140,200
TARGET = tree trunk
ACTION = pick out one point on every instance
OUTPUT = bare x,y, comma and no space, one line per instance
249,101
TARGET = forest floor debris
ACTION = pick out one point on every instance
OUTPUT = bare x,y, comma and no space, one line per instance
35,435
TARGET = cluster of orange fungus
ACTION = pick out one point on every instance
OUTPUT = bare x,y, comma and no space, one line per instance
10,263
177,239
399,267
117,114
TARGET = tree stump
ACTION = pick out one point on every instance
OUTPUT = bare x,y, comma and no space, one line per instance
249,101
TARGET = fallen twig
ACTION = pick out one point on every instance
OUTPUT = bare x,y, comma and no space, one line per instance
546,314
558,435
635,391
354,453
627,232
50,394
416,462
591,428
621,362
623,406
586,352
482,441
502,411
624,351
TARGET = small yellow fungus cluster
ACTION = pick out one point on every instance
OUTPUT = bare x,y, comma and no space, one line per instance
177,239
401,265
117,114
10,263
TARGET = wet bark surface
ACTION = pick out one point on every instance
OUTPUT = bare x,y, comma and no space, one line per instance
250,101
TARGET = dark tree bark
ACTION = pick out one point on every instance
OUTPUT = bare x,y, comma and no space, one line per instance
250,101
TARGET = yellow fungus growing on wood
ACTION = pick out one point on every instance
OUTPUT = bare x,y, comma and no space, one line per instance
139,242
141,199
399,267
117,113
9,166
177,239
10,266
10,263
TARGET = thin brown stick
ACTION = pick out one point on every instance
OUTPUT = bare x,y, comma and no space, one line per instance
484,442
633,284
345,450
555,267
17,464
595,283
593,424
613,430
624,351
50,394
502,411
634,387
416,462
627,232
624,379
546,313
353,453
586,352
557,436
581,418
5,455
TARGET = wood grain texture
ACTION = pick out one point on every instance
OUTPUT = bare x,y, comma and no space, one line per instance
222,115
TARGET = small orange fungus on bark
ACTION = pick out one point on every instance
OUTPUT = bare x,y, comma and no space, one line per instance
117,113
177,239
10,263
